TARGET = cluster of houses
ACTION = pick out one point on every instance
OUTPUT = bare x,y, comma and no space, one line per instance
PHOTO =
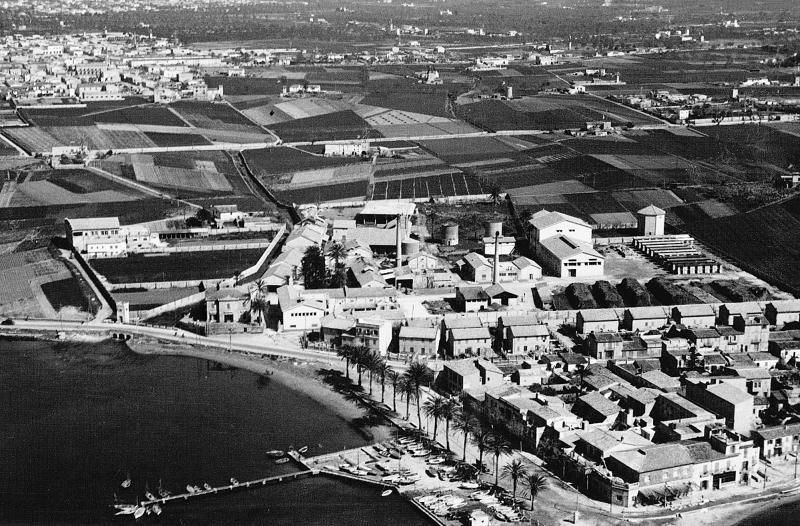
650,405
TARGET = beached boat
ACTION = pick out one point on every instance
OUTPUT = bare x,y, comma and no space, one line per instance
207,486
275,453
127,482
421,453
386,493
234,481
157,509
125,509
435,460
303,450
149,495
190,488
469,485
395,454
283,460
139,512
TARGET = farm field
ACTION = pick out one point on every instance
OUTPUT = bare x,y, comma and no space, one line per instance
176,139
339,125
765,242
467,149
352,191
129,211
285,160
400,94
66,293
66,187
176,267
211,115
445,185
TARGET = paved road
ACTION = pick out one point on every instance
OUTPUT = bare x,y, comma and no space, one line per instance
184,337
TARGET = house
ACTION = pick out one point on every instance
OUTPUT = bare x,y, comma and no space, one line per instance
701,315
596,409
425,261
419,341
374,334
757,379
505,245
659,380
604,345
470,341
477,268
296,313
644,318
527,340
703,338
96,237
460,375
777,441
754,331
384,213
226,305
656,469
332,328
365,275
764,360
726,401
597,444
779,313
471,299
564,245
500,295
596,320
670,407
729,310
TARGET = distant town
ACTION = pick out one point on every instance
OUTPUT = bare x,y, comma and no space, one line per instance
574,253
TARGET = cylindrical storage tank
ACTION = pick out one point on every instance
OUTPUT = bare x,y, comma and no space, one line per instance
450,237
410,247
492,227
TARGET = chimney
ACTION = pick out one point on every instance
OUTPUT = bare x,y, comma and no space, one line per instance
399,252
496,265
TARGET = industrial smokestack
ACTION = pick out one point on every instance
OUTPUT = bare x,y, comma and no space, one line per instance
399,247
496,265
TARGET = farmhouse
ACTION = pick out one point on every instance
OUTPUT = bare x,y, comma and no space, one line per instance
96,237
225,305
422,341
564,245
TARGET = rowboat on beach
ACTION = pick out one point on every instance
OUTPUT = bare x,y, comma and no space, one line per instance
275,453
283,460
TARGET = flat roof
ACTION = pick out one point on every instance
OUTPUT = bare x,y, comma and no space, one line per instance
93,223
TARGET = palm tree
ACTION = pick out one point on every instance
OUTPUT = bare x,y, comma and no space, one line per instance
481,437
498,445
359,358
495,194
515,470
374,363
467,424
337,252
535,484
449,410
418,374
259,306
383,371
345,351
394,378
433,408
408,390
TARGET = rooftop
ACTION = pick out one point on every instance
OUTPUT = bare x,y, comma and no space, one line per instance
93,223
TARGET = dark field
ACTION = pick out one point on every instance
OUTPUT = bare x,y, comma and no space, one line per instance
405,96
271,161
246,86
176,139
338,125
200,113
159,115
128,211
176,267
355,191
82,182
435,186
65,293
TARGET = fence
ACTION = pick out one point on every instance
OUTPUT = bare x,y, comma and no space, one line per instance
96,281
203,248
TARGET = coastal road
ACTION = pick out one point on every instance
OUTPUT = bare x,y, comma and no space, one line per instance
178,336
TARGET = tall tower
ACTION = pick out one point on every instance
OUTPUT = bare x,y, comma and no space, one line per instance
496,262
398,246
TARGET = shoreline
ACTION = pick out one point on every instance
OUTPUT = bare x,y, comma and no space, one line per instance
300,376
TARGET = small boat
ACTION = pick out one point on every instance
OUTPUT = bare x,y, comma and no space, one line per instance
163,493
157,509
127,482
190,488
435,460
234,481
386,493
149,495
283,460
275,453
469,485
125,509
421,453
139,512
303,450
207,486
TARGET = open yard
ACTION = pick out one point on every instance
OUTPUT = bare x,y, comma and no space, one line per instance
176,267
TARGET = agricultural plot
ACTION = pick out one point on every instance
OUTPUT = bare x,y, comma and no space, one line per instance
32,140
325,176
176,139
213,116
194,174
215,264
444,185
635,200
467,149
405,96
352,191
247,85
146,114
18,274
65,293
97,138
332,126
765,242
311,107
271,162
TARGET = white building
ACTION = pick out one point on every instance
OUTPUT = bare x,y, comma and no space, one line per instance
563,244
96,237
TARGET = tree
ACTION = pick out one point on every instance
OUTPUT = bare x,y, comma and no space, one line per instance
418,374
499,446
449,410
338,253
481,438
464,423
394,378
373,363
346,352
407,390
313,264
515,470
433,409
534,483
495,194
359,358
383,371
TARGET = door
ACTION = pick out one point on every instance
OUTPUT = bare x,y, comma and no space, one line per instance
573,272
